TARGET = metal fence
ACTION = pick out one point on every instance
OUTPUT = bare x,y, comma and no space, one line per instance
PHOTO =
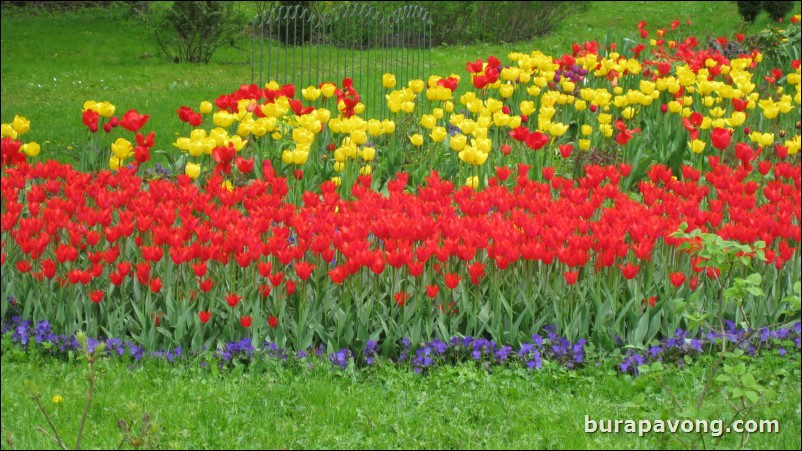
295,44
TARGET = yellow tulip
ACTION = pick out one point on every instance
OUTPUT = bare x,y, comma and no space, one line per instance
558,129
416,139
587,129
417,86
310,93
506,91
122,148
483,145
21,125
388,81
697,145
438,134
467,126
183,143
359,137
224,119
90,105
115,163
196,148
31,149
205,107
105,109
475,106
458,142
388,126
8,132
428,121
368,153
299,157
365,170
339,166
527,107
328,90
337,181
192,170
584,144
238,142
494,105
500,119
374,127
323,115
762,139
473,182
793,145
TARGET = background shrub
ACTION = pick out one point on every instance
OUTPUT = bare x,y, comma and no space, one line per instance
776,10
192,31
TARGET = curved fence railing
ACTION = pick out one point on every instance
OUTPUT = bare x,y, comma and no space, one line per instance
295,44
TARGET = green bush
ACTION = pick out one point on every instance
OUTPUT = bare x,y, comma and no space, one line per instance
458,23
749,10
192,31
501,21
777,10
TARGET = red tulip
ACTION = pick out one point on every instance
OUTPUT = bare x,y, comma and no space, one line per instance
233,299
629,270
156,285
452,280
721,138
204,316
133,121
96,296
677,279
245,321
432,290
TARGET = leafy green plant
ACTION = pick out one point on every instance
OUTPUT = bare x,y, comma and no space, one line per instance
190,32
732,374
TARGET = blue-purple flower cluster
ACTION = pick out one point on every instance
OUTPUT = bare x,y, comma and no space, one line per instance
674,349
421,359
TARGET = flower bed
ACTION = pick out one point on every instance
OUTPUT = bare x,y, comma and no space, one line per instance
611,192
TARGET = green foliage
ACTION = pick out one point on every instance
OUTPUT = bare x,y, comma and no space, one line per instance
777,10
780,44
469,22
192,31
749,10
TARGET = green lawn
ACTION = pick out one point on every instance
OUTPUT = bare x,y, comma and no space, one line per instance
386,407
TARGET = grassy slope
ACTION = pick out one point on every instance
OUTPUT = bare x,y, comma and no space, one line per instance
52,63
455,407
